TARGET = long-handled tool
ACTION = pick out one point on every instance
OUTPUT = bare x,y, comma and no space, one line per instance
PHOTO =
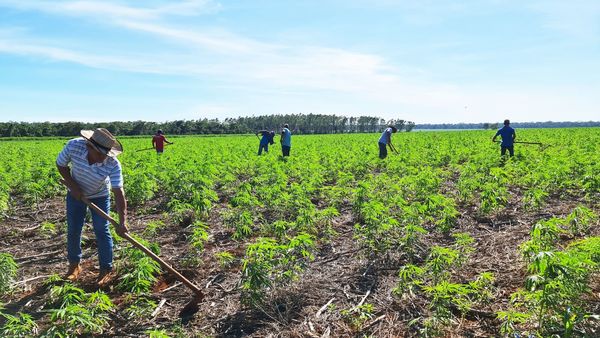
542,146
191,307
538,143
523,142
153,148
393,148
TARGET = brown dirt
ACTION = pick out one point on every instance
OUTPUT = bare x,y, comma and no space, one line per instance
340,271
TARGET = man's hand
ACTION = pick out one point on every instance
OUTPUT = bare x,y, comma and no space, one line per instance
75,192
121,230
69,182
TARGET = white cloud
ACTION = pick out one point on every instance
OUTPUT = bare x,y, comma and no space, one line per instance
86,59
114,9
274,77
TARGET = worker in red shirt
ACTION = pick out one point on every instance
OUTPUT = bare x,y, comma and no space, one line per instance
158,141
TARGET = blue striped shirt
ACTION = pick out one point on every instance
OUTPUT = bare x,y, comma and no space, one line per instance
384,136
93,179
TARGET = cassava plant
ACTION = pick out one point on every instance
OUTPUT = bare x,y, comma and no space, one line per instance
8,272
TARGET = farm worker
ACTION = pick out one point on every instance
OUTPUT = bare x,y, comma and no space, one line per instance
286,140
94,166
265,140
158,141
508,137
386,140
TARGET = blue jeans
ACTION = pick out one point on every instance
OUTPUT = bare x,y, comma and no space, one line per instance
285,150
76,211
263,146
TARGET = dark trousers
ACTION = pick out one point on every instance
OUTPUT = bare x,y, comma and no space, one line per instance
263,146
285,150
382,150
511,150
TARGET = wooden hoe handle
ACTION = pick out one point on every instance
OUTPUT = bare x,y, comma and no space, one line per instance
140,246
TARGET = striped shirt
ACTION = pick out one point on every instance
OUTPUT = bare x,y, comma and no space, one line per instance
93,179
384,136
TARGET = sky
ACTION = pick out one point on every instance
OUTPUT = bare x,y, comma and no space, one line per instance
424,61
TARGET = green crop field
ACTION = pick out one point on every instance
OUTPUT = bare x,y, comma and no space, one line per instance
444,238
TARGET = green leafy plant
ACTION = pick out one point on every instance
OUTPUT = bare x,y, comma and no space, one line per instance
359,315
554,298
199,236
138,306
410,280
226,259
153,227
580,220
157,334
137,271
79,313
19,325
8,272
48,229
268,263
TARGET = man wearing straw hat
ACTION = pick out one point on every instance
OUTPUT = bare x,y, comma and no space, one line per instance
94,166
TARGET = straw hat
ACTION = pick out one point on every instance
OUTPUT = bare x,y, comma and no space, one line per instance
103,141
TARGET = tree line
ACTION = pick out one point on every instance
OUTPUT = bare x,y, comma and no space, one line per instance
299,124
496,125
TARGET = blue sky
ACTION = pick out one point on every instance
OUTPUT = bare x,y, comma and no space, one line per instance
425,61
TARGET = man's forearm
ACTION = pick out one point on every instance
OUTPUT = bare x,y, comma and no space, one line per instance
121,204
65,172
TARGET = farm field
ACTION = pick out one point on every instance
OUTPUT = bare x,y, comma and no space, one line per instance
443,239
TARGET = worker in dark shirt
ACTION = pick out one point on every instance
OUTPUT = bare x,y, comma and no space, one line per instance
265,140
508,137
158,142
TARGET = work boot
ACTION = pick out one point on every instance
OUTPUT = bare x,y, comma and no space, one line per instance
105,277
73,272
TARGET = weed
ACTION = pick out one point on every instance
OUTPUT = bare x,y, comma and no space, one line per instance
226,259
138,306
48,229
359,315
153,227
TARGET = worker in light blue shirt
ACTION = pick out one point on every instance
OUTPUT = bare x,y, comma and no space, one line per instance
386,140
286,140
508,138
89,167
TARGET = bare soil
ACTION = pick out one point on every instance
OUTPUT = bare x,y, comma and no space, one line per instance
341,275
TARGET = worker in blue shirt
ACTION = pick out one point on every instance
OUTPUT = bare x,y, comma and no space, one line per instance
286,140
266,139
508,137
386,140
